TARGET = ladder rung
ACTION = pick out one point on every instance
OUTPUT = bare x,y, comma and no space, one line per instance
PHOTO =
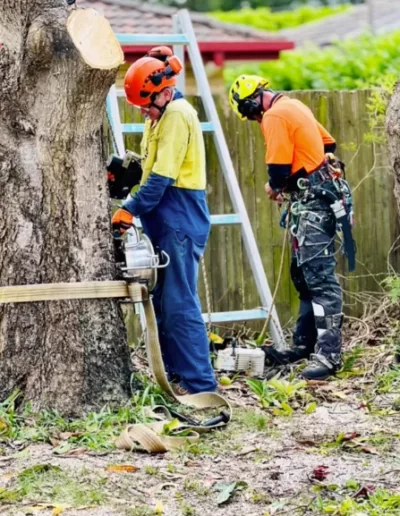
206,127
229,218
216,220
152,39
241,315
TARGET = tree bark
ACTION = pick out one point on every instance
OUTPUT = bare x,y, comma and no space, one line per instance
393,132
54,227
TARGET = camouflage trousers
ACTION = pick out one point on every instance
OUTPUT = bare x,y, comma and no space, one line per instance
320,318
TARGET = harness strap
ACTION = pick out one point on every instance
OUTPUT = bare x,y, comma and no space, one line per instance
150,436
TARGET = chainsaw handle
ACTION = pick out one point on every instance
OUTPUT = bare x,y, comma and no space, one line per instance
165,263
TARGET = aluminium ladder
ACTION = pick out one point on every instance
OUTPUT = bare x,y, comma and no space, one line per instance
185,36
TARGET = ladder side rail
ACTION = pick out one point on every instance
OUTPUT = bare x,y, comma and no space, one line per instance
115,120
231,179
179,51
116,126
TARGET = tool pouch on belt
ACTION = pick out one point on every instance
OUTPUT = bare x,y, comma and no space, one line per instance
314,231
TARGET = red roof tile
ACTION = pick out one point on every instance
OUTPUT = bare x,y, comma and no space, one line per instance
130,16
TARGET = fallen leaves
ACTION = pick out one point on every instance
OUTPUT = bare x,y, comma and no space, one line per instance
40,507
320,473
225,380
364,492
121,468
4,428
352,441
246,451
67,449
227,490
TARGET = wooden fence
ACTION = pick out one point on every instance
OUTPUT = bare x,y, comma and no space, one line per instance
346,116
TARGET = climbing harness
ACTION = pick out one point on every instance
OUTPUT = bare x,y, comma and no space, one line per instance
335,190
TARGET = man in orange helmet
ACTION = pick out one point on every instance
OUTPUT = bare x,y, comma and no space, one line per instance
171,204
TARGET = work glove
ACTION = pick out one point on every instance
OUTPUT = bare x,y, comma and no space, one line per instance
122,220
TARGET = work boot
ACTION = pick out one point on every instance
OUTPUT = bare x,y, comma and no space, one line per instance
286,356
319,368
178,389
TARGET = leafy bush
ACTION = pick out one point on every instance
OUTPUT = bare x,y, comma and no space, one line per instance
352,64
262,17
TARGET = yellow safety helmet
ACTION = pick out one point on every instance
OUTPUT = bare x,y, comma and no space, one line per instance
241,91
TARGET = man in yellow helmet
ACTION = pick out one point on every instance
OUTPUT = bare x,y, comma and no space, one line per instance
298,164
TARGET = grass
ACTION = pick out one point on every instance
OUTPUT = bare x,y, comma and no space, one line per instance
151,470
46,483
351,362
96,431
143,510
390,381
194,486
357,500
250,420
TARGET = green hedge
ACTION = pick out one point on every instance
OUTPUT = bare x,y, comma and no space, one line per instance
353,64
262,17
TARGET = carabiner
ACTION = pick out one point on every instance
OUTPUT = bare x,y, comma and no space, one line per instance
294,208
293,230
303,183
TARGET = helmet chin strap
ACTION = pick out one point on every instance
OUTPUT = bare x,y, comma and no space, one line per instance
275,97
161,109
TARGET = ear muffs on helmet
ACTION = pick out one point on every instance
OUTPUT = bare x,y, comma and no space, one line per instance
249,108
174,67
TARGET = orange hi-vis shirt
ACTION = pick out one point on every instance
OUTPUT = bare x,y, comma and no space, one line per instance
293,136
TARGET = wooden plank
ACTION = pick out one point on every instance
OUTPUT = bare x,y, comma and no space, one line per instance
233,242
265,225
364,201
216,260
349,142
247,172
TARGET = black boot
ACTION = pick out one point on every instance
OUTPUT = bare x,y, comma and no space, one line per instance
286,356
319,368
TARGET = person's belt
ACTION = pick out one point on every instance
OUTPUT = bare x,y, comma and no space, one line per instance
321,170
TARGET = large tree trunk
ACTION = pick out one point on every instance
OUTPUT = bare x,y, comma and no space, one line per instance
54,225
393,132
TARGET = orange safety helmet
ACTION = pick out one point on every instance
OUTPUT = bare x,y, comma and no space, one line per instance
162,53
149,75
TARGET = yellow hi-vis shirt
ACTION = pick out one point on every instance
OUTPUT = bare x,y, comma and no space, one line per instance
172,195
174,147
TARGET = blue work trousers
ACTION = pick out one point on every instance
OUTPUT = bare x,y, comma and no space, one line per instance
182,332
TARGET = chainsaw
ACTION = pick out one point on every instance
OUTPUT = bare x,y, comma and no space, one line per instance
136,258
123,174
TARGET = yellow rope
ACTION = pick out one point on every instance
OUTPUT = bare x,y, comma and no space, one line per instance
261,337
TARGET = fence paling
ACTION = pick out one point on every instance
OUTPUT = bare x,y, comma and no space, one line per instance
345,115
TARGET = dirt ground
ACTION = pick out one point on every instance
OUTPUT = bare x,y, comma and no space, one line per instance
336,451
